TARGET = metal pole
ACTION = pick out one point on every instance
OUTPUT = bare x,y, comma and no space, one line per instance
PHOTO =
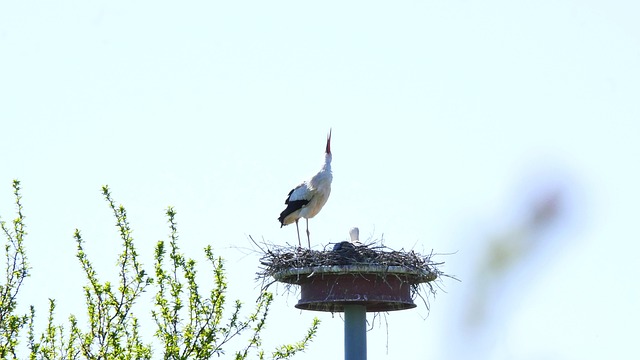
355,332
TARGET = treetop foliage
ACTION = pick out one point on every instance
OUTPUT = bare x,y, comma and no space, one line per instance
189,323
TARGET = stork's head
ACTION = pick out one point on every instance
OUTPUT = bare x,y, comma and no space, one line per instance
328,151
354,233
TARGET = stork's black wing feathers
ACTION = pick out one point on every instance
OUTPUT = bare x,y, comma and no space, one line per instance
296,200
286,201
292,206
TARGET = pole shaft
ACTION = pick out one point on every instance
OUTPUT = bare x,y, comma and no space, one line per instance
355,332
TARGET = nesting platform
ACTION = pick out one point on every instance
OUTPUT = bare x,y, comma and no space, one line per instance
372,275
377,287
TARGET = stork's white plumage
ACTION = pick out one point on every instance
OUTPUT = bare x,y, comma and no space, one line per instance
354,233
307,199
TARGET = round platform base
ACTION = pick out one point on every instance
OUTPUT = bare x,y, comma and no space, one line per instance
378,288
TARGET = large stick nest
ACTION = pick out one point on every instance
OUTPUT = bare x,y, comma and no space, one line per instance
281,259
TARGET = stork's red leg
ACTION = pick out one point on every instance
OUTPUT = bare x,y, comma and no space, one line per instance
308,239
298,230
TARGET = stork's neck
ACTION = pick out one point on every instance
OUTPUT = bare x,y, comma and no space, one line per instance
327,163
322,180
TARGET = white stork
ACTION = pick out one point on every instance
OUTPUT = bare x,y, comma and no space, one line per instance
307,199
354,233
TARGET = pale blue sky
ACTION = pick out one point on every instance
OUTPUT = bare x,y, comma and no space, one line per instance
447,117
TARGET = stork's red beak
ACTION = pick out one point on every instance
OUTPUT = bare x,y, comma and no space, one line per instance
329,142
